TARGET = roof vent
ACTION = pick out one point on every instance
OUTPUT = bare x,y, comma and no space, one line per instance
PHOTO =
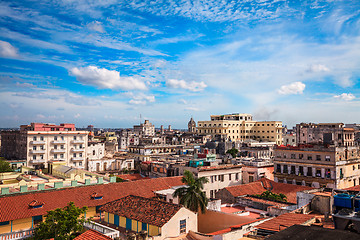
96,196
36,204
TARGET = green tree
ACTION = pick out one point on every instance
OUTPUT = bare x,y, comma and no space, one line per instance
233,152
268,195
192,196
5,166
61,224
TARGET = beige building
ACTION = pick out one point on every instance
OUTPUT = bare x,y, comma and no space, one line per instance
318,166
145,129
40,144
241,127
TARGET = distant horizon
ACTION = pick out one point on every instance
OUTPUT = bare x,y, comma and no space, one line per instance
106,62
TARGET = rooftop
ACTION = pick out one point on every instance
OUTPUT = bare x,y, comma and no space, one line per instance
264,184
145,210
16,206
92,235
284,221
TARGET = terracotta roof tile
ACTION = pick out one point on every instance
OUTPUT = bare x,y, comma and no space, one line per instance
16,206
284,221
132,177
92,235
264,184
146,210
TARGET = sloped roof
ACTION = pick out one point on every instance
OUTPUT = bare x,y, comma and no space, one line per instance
284,221
92,235
16,206
264,184
132,177
146,210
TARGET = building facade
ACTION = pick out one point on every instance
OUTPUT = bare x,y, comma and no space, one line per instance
192,126
317,166
145,129
40,144
241,127
325,133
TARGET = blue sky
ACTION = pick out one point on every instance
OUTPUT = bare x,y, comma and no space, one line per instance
106,62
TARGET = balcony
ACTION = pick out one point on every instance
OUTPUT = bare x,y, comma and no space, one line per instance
17,235
59,159
37,142
58,142
38,161
107,231
77,159
77,141
58,150
39,151
76,150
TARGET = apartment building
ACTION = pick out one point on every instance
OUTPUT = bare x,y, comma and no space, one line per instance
241,127
40,144
325,133
146,128
317,166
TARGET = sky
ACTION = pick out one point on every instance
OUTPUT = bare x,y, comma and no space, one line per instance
114,63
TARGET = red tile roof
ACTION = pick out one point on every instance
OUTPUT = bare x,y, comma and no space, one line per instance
354,188
16,206
146,210
272,203
284,221
264,184
132,177
92,235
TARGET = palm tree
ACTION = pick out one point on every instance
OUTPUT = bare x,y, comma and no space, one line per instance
192,195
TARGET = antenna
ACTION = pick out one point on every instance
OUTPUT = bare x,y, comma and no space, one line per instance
140,118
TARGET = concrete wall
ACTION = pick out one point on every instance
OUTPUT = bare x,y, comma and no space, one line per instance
172,227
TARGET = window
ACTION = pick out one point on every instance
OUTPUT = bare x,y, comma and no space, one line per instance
80,146
318,157
62,155
34,138
292,156
285,169
301,156
55,138
55,156
182,226
34,147
41,138
55,146
309,157
80,154
74,155
34,157
41,156
212,179
278,168
62,137
62,146
93,152
230,177
237,176
80,163
74,137
41,147
327,158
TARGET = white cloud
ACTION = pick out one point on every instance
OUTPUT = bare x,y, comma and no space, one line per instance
77,115
7,50
293,88
345,96
140,98
191,86
314,68
103,78
96,26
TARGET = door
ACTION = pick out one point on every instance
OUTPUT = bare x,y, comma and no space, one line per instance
116,220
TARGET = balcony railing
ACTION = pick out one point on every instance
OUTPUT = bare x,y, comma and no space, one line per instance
17,235
77,158
77,149
38,161
40,151
59,159
37,142
107,231
58,150
77,141
58,142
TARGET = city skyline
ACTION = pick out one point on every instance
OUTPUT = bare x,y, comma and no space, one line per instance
105,63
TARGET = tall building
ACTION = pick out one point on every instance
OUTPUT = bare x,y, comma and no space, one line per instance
325,133
192,126
146,128
317,166
40,144
241,127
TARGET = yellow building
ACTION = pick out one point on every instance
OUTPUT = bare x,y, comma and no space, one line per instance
158,218
241,127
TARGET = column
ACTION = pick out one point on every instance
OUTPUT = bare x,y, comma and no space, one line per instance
297,170
322,172
305,171
314,172
282,168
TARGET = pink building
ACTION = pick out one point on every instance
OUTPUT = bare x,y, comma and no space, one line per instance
48,127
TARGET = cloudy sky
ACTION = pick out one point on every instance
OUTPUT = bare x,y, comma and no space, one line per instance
106,62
